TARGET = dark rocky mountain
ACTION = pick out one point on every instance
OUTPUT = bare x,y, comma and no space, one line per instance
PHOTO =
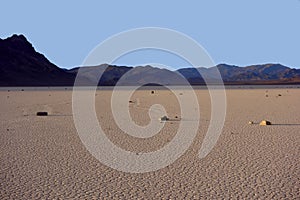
21,65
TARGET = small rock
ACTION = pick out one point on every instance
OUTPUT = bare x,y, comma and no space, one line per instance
279,95
265,123
152,92
42,113
250,122
164,118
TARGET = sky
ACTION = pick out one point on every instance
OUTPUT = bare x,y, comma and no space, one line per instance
232,31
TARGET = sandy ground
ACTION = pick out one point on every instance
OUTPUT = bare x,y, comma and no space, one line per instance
44,158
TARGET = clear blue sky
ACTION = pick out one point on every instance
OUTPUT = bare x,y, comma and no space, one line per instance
232,31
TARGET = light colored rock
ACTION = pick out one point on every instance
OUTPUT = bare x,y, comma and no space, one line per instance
265,123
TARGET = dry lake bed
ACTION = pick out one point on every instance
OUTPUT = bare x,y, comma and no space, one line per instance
42,157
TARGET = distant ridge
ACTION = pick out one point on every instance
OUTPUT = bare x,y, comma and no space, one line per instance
254,74
21,65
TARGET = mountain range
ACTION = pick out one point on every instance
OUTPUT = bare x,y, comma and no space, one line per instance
21,65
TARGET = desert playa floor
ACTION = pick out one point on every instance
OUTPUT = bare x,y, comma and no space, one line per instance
44,158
